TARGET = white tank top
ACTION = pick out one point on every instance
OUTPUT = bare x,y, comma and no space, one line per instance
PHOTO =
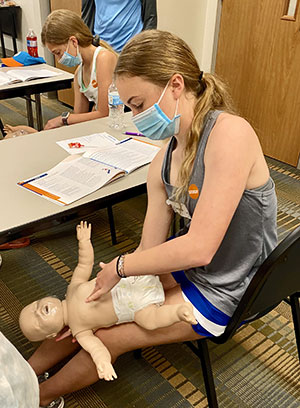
91,91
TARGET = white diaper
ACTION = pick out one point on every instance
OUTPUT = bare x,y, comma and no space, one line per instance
134,293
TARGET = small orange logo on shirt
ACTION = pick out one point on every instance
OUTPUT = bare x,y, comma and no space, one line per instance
193,191
94,84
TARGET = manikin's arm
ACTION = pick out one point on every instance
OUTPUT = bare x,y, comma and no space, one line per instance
99,353
85,264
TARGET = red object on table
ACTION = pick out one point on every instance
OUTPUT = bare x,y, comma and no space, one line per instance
75,145
31,40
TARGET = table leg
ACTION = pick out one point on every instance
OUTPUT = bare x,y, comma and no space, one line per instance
15,45
38,109
2,130
2,45
29,111
112,225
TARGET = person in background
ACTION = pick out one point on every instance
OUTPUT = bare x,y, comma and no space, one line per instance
18,382
213,174
88,13
118,20
70,41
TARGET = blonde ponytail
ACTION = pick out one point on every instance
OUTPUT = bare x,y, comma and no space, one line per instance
104,44
214,97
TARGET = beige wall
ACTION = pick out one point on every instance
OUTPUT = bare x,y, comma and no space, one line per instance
192,20
195,22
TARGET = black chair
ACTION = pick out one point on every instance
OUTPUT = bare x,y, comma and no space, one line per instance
10,23
2,131
277,279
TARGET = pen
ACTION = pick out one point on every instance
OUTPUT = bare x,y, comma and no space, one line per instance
125,140
33,179
133,134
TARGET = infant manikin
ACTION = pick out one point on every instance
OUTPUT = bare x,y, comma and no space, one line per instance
136,298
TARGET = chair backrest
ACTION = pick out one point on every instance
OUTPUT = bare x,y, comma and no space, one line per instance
276,279
10,21
2,130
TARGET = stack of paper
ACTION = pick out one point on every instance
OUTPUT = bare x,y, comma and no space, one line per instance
14,76
105,159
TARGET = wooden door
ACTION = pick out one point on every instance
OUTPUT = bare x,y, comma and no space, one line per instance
258,55
66,95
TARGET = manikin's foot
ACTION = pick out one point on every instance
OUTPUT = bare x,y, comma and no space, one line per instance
185,313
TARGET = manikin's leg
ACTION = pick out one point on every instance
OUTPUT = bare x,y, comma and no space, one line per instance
153,317
80,371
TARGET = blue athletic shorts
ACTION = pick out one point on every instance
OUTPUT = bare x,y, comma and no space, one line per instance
211,321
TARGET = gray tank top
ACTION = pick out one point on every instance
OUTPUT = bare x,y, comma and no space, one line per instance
251,235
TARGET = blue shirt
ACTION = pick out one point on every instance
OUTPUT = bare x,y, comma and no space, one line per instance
116,21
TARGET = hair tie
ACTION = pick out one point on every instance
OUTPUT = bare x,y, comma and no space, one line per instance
96,40
200,76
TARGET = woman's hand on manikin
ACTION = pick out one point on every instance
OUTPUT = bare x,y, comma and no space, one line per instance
106,279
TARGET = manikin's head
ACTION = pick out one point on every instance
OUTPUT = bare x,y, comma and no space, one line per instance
42,319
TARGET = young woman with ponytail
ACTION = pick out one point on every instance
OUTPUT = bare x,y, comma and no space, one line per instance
213,173
70,41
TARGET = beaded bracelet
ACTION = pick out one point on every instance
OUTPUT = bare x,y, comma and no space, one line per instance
120,266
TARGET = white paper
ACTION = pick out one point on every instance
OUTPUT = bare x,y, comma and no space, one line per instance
6,79
128,155
142,146
78,176
28,74
71,180
96,140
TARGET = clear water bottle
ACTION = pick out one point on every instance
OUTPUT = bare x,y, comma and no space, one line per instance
116,108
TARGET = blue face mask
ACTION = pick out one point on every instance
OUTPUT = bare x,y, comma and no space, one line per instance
69,60
155,124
